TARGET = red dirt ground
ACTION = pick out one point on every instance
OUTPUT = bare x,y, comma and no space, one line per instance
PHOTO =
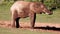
49,27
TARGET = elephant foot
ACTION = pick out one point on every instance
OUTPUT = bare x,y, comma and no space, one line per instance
32,27
17,26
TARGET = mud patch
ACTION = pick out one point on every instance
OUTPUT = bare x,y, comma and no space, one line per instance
44,27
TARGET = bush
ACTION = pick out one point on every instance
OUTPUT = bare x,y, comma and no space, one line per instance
50,4
58,3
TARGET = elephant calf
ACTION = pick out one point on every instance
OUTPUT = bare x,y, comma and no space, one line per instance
22,9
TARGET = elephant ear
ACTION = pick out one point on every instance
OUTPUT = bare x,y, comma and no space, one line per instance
35,6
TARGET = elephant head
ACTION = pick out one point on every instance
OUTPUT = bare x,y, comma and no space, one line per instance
39,7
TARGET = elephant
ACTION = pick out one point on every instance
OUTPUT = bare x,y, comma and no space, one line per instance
23,9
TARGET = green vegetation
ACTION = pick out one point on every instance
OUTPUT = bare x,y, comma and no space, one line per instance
5,11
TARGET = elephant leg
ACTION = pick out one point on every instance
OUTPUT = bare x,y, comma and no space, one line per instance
17,22
13,23
14,16
33,18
